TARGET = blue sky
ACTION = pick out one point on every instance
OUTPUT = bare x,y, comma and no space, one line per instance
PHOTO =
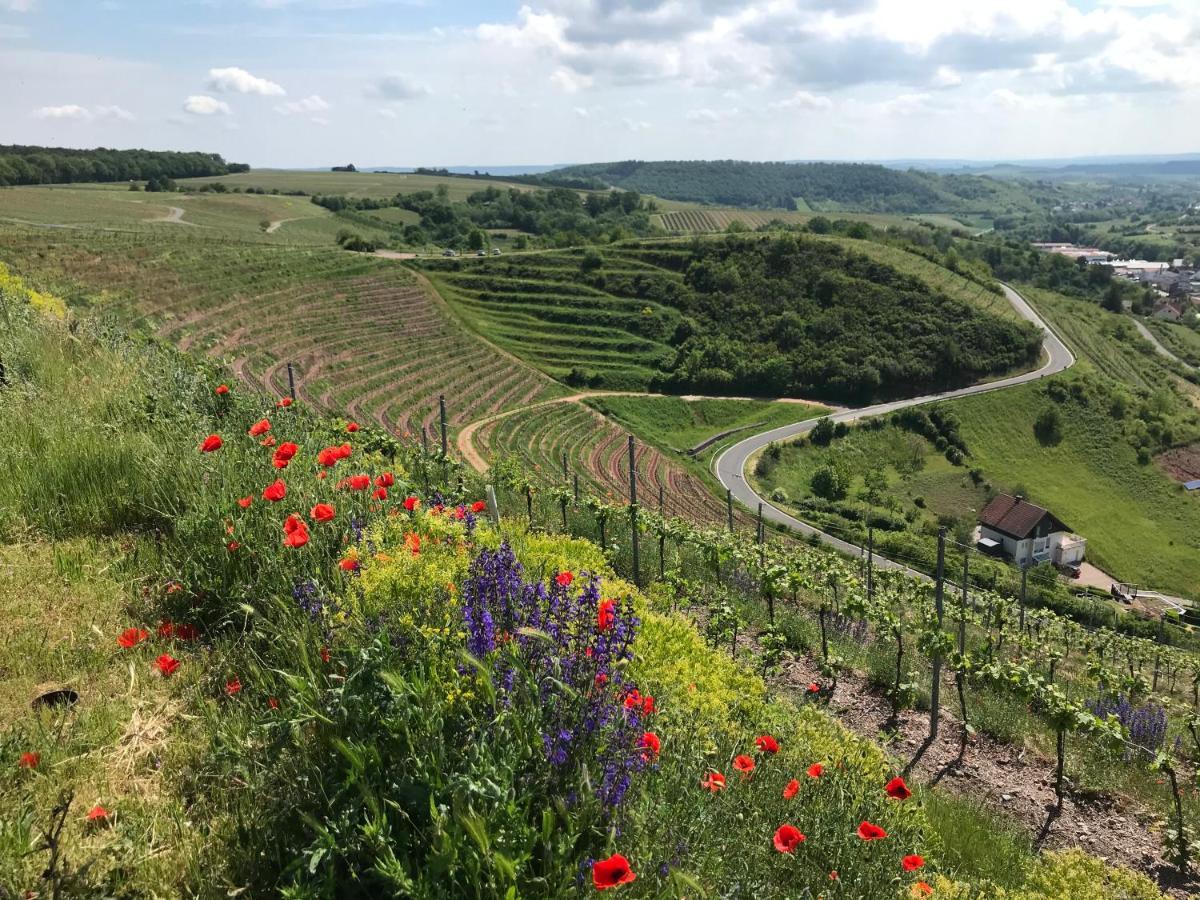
421,82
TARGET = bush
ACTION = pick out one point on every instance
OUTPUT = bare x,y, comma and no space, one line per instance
823,432
830,482
1049,427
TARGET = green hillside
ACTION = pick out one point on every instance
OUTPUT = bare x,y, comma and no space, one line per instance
817,186
785,316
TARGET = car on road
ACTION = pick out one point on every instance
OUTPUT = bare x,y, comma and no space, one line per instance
495,251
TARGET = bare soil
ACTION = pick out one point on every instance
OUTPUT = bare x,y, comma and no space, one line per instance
1182,463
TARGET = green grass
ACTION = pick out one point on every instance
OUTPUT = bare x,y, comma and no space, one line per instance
241,217
679,424
1181,340
352,184
974,839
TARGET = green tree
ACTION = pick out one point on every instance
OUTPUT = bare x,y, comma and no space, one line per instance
830,482
1049,427
476,240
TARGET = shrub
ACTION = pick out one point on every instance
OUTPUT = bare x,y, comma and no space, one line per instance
830,482
1049,427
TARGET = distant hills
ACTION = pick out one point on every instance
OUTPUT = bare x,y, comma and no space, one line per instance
820,186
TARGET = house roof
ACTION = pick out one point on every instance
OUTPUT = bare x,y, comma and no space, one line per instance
1016,517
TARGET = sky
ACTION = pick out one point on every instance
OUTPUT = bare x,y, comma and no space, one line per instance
307,83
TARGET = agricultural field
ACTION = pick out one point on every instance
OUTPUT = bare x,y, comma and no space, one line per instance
353,184
366,338
706,220
1181,340
690,317
248,217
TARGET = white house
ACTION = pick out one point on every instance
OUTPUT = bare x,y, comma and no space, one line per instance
1027,533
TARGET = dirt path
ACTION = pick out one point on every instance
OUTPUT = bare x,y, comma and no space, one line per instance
1015,782
278,223
174,215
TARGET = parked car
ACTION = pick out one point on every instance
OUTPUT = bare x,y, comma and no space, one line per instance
449,253
481,253
495,251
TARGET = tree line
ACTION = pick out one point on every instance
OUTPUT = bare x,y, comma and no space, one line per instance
21,164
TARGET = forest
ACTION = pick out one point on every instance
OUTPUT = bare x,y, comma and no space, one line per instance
21,164
560,215
858,186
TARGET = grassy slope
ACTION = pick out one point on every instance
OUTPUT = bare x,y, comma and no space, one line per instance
673,422
231,216
1184,342
353,184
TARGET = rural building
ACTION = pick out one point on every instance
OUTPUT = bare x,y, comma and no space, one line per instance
1169,311
1027,533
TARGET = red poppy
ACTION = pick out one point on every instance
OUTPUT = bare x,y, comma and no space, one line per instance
233,686
262,426
921,889
792,788
343,451
328,457
633,699
460,512
647,704
348,564
268,441
608,873
564,579
352,427
714,782
98,815
29,760
284,403
358,482
321,475
413,542
650,741
322,512
283,454
766,744
273,702
222,390
187,632
815,770
743,764
411,503
601,679
232,546
211,443
833,876
165,628
244,502
897,789
166,664
325,655
787,838
275,492
478,506
380,493
606,615
131,637
912,862
297,537
387,479
814,688
293,523
869,832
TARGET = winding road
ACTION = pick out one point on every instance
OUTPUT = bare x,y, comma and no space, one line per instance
730,465
1157,344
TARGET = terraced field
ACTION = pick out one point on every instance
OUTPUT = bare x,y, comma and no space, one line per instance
353,184
597,449
708,220
366,338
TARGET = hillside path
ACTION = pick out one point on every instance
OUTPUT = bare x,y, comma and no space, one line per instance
1157,344
730,465
278,223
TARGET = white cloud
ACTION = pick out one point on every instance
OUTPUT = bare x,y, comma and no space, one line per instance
17,5
803,100
582,112
67,111
203,105
387,113
113,112
310,104
570,82
396,88
946,77
636,125
240,81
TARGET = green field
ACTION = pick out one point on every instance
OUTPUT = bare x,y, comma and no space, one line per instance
678,423
1181,340
353,184
245,217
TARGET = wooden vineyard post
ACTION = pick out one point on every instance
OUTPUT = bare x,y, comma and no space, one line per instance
729,507
425,457
563,501
962,607
662,536
633,513
493,507
936,685
3,375
1024,578
761,537
870,562
445,445
424,441
291,383
576,487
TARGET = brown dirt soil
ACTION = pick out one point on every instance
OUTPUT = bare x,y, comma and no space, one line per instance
1015,782
1182,463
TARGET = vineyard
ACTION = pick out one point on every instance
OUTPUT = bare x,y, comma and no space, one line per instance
365,338
708,220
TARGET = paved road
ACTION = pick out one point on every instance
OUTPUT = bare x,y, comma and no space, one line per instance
730,465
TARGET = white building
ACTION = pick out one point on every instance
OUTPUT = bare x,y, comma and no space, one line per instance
1027,533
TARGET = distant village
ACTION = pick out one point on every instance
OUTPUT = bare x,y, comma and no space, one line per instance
1176,286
